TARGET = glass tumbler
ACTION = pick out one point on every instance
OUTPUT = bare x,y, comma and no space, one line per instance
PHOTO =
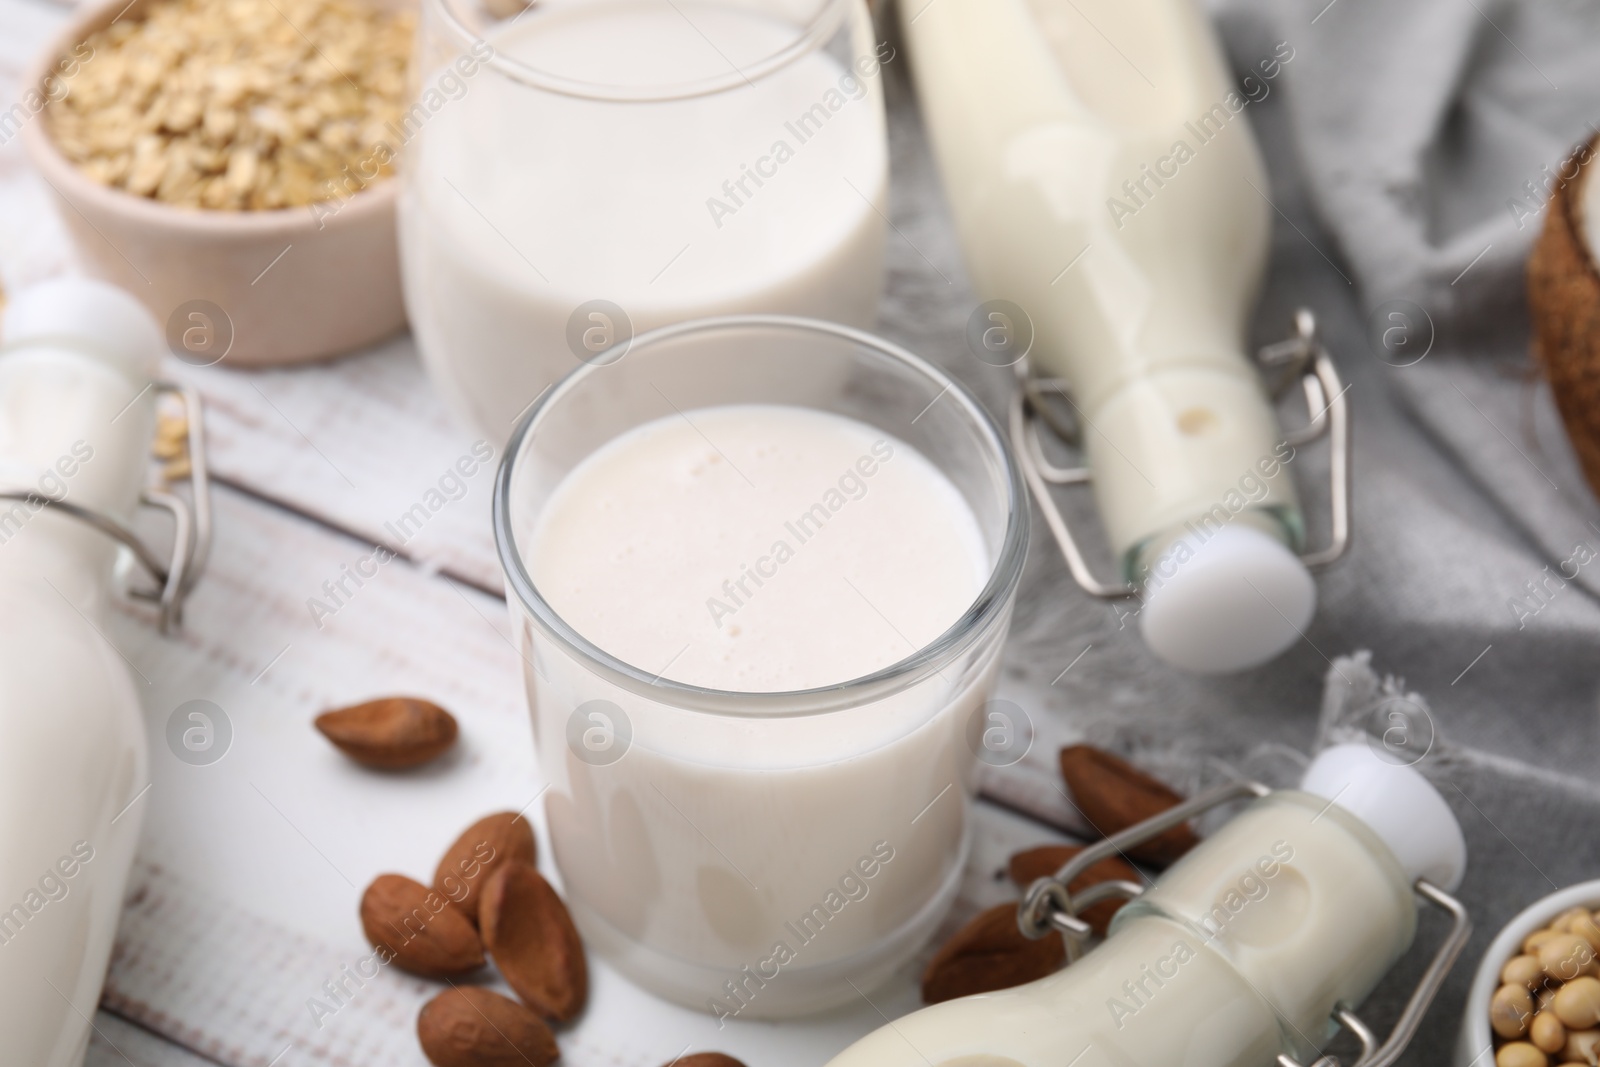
774,853
580,171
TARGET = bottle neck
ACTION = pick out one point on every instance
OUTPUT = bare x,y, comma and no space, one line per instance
73,429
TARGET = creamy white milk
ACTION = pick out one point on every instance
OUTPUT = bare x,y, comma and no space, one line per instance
75,426
522,204
749,863
758,549
1100,167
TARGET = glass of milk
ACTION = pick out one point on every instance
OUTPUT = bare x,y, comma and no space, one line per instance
586,170
761,620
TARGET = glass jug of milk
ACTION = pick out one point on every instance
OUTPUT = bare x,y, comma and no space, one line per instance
1253,949
1111,200
590,169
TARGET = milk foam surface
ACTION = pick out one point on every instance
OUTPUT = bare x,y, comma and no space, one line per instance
758,548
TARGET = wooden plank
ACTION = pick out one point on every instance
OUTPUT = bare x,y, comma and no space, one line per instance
115,1042
362,444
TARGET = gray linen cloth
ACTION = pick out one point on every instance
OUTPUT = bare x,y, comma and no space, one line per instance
1398,141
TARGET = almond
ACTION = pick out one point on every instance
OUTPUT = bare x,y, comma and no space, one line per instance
486,845
527,930
390,734
418,929
990,953
1113,795
471,1027
704,1059
1044,861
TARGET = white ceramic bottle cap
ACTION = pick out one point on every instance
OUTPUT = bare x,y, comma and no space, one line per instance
1398,804
1231,602
88,313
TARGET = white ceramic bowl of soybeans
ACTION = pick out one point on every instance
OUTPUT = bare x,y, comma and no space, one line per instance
1535,1001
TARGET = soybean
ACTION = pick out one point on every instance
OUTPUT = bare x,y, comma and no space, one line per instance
1510,1009
1577,1004
1566,956
1531,943
1520,1054
1547,1032
1585,927
1525,971
1563,922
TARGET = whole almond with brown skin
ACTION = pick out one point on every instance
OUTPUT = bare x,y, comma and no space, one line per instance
1044,861
471,1027
529,934
483,848
990,953
704,1059
418,929
1113,794
390,734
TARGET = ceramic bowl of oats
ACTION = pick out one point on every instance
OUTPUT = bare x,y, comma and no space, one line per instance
230,163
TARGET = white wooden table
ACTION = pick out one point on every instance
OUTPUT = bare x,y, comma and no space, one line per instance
243,903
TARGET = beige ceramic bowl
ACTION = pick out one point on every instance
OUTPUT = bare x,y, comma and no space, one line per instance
290,290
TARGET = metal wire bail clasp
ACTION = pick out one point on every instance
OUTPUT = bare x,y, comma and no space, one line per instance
185,562
1050,906
1300,357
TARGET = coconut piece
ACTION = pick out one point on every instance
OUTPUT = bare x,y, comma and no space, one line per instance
1564,296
